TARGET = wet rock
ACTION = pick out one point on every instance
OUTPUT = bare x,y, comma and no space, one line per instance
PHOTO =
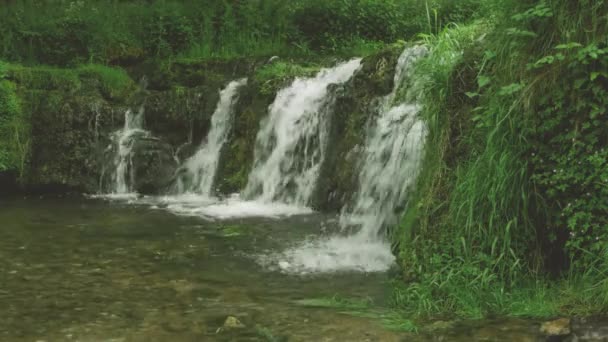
558,327
154,165
232,322
439,326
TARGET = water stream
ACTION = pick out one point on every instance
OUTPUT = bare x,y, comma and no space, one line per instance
291,143
125,139
200,169
393,150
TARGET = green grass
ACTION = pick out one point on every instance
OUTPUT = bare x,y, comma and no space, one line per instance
14,130
475,242
114,81
357,307
45,78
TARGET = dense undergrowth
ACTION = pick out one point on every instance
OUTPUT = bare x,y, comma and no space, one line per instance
510,215
125,32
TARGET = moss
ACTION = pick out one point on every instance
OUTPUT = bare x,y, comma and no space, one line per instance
237,158
43,77
114,83
353,108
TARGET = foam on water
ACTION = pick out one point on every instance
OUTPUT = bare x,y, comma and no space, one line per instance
336,254
232,208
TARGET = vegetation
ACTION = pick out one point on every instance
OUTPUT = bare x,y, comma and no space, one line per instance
125,32
509,216
14,128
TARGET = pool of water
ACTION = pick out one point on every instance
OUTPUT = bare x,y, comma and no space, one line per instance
86,269
89,269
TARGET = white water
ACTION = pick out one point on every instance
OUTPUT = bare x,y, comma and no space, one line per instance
196,198
124,174
393,151
231,208
202,166
290,146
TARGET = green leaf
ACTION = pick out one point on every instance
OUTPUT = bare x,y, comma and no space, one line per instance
483,81
510,89
568,46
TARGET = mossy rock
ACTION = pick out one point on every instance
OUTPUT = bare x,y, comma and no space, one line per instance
355,105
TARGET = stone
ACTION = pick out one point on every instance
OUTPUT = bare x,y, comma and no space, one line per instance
558,327
440,325
232,322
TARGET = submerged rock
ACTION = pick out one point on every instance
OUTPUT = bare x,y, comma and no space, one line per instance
233,323
558,327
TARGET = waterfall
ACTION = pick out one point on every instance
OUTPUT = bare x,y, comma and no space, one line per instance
200,169
393,151
290,145
124,174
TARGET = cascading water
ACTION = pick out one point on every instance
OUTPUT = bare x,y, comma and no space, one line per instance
393,151
394,147
124,175
201,167
290,146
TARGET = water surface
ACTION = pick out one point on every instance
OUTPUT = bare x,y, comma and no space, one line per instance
93,270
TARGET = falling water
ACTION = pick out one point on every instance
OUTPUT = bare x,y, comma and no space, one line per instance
394,147
201,167
290,146
393,151
124,175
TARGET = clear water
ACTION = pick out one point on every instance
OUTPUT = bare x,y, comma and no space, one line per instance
74,269
94,270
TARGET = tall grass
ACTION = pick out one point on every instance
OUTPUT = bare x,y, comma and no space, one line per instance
478,237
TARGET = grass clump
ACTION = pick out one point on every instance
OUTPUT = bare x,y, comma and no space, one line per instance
113,81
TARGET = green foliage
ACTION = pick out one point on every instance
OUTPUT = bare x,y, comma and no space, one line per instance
113,81
125,32
514,181
45,78
14,129
569,148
